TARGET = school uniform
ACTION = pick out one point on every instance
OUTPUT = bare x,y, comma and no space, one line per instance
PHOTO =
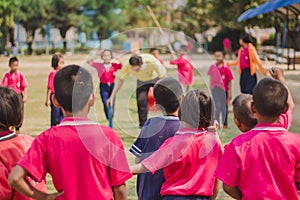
12,148
189,160
56,114
220,78
84,159
264,163
153,134
151,71
106,74
185,70
16,81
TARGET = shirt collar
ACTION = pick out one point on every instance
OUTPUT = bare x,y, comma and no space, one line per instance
77,121
194,131
6,135
269,127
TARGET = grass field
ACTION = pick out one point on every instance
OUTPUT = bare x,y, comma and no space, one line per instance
37,115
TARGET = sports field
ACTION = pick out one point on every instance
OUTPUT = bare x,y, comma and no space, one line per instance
37,115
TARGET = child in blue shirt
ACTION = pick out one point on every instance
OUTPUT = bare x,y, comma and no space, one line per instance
167,94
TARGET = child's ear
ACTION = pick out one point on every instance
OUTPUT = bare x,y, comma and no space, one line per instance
92,100
252,107
55,102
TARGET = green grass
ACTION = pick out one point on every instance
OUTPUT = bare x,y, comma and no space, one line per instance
37,116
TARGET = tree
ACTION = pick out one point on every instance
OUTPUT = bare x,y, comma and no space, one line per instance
66,14
32,14
7,8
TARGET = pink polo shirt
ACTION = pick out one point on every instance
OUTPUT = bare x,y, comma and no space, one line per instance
106,74
185,70
15,81
84,159
50,84
220,76
264,163
286,119
189,160
244,58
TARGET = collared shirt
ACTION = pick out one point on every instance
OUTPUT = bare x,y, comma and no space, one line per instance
84,159
50,84
220,76
106,73
15,81
189,160
185,70
264,163
150,69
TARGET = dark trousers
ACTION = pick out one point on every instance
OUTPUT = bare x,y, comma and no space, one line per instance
105,92
185,197
247,82
56,113
221,107
142,99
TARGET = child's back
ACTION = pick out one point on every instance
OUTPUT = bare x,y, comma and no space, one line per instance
167,93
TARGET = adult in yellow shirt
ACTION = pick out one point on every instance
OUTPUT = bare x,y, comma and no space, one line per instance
247,63
147,70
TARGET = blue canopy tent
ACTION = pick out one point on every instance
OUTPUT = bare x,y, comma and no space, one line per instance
286,9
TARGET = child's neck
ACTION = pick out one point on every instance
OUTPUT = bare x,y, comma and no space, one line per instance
220,64
267,119
174,114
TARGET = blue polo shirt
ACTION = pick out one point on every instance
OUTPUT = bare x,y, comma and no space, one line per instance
153,134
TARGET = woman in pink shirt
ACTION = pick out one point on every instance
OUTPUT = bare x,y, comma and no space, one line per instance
184,68
106,73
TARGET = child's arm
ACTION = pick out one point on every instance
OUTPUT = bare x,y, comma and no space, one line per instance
138,169
17,180
24,95
298,185
277,74
234,192
120,192
118,85
47,102
216,189
229,92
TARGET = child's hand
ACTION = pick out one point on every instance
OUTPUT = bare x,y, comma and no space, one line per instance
276,73
47,103
42,196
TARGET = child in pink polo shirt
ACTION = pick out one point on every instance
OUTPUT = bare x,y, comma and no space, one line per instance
220,85
184,68
243,116
15,79
106,72
12,146
86,160
190,157
57,62
263,163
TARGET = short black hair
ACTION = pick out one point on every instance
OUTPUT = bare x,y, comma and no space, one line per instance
242,110
167,93
12,60
107,50
11,108
270,98
197,109
73,86
135,60
153,49
219,50
55,60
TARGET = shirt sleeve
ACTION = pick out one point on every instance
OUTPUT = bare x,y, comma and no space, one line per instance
119,171
176,61
159,68
209,72
229,167
286,119
5,189
117,66
23,81
171,150
125,73
35,159
297,166
50,81
4,81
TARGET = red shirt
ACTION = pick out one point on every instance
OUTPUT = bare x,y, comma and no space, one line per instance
286,119
264,163
84,159
220,76
12,149
185,70
50,84
189,160
244,58
15,81
106,74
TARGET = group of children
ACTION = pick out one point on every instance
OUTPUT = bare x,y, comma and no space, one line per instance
178,156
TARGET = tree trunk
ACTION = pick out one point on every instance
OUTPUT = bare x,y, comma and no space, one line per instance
63,33
29,47
30,38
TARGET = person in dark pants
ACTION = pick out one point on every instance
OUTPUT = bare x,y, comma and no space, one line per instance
147,69
247,63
